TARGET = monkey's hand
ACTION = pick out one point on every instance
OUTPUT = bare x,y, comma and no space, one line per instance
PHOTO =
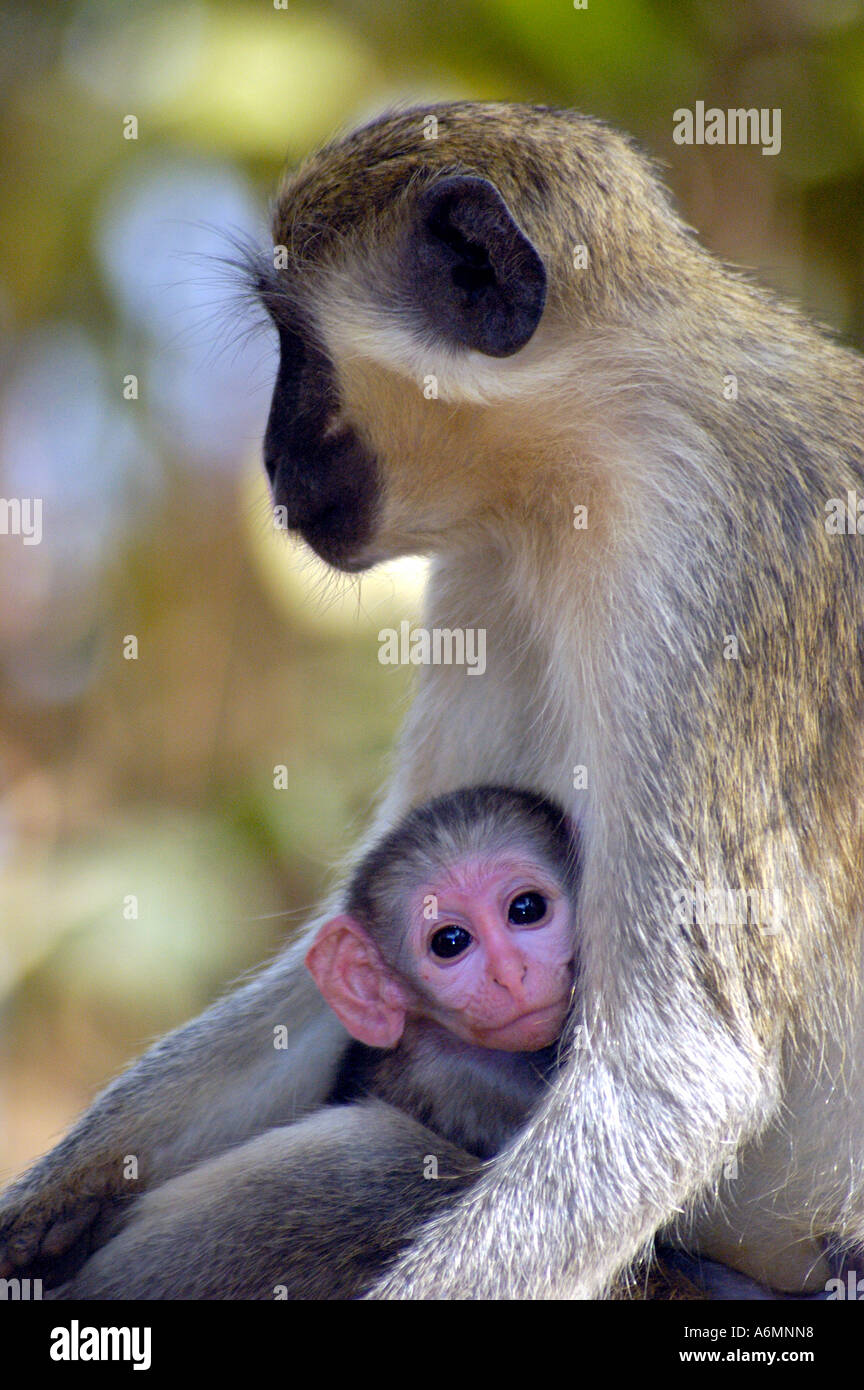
59,1211
67,1204
209,1085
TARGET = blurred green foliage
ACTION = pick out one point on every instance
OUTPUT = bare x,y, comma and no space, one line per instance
154,777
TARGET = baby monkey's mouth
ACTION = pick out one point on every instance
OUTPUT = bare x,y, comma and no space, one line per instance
530,1031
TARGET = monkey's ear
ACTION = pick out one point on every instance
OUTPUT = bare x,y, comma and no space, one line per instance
474,275
351,974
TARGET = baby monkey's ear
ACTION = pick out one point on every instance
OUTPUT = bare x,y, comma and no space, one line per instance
359,987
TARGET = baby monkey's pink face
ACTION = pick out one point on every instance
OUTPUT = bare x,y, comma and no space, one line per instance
491,950
486,951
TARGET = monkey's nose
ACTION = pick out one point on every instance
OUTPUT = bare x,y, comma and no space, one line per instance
509,972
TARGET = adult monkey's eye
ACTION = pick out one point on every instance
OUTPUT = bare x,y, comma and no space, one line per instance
527,908
448,942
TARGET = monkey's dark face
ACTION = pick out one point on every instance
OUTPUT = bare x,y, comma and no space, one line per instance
321,473
378,338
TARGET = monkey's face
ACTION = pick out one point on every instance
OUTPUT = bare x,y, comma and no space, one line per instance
493,963
324,476
400,310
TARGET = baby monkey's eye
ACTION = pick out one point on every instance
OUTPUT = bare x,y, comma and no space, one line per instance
450,941
526,908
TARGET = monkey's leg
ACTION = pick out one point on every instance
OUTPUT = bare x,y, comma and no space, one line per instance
210,1084
315,1210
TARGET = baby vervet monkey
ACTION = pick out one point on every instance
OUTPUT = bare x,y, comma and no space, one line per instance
456,962
452,966
454,959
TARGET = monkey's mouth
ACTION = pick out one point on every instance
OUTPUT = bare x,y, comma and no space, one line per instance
529,1032
326,483
335,543
331,498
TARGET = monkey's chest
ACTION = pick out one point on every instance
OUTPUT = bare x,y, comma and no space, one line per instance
478,1101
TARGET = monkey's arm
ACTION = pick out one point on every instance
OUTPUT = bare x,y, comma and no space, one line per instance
206,1086
577,1198
304,1212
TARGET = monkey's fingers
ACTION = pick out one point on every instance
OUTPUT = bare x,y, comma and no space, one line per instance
39,1230
63,1234
22,1225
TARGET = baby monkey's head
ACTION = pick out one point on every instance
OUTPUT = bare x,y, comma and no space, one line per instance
464,915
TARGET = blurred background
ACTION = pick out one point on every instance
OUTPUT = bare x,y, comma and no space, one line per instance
146,856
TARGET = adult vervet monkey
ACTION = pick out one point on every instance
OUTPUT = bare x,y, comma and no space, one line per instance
697,647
